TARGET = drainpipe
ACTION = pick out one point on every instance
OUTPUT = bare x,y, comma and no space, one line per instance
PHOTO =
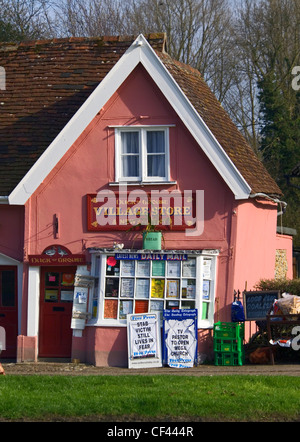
282,204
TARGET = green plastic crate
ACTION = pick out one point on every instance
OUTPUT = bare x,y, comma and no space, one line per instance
228,345
223,330
224,358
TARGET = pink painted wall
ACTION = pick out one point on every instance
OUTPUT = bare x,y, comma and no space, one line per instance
256,243
12,231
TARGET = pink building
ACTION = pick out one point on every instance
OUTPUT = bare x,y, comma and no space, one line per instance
91,131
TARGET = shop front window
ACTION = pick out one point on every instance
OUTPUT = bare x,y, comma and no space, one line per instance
148,285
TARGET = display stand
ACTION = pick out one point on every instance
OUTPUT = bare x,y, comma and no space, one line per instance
279,328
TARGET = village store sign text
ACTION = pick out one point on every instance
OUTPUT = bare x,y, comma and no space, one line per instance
122,210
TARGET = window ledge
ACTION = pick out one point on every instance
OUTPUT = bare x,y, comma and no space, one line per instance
143,183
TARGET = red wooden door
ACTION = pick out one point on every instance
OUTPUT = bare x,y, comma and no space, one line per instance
56,301
9,310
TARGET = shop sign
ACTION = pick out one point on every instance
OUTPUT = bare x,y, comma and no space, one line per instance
56,255
133,211
151,256
180,338
144,344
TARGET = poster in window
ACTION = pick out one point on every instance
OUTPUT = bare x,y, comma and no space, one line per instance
66,295
174,269
157,306
113,266
157,288
128,268
112,287
189,288
141,306
205,289
51,295
189,268
127,288
158,268
126,308
111,309
173,289
207,269
143,268
68,279
142,288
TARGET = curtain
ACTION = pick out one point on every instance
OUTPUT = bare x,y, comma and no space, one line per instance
130,154
156,154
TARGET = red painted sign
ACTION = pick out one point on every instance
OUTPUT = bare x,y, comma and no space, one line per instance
133,212
56,255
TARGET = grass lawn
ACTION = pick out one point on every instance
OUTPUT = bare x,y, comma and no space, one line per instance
188,398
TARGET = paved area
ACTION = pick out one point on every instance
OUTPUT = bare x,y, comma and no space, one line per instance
76,369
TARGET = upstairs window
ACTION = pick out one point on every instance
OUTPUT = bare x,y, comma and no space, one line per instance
142,154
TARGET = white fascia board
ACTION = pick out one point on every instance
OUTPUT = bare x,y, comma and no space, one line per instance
139,52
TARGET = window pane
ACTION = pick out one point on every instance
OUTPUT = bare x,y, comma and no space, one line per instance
130,165
156,165
129,142
155,142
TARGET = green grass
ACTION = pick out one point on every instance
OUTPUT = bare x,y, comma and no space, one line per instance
223,398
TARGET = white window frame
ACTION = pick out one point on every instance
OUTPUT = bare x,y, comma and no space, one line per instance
143,177
98,270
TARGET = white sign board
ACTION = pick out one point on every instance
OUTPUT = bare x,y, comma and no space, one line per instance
144,343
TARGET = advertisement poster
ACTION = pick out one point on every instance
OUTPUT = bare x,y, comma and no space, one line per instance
144,344
180,338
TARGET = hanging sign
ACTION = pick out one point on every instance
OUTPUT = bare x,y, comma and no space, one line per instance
144,344
180,338
56,255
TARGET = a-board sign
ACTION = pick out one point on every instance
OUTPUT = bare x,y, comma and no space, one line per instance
258,303
180,338
144,342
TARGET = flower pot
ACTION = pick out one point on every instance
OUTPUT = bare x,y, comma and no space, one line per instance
152,240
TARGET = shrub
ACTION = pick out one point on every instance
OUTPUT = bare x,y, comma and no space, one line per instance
291,286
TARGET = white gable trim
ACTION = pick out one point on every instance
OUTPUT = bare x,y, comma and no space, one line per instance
139,52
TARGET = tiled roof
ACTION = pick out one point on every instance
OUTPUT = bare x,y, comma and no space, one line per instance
47,82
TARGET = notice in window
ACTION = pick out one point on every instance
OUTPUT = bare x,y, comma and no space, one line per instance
125,309
173,289
205,289
127,288
158,268
143,268
174,269
189,288
142,288
157,288
112,287
127,268
189,268
207,268
111,309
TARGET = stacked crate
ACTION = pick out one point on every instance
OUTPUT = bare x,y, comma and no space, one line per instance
228,343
